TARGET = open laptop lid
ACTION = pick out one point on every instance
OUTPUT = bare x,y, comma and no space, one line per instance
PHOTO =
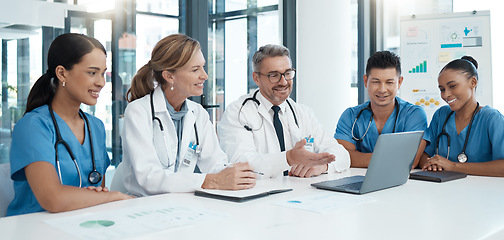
392,159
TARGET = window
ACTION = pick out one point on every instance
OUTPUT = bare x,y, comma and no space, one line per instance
141,30
230,48
155,19
355,59
143,24
164,7
21,62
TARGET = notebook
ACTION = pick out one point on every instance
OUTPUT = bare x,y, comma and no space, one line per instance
389,166
443,176
240,195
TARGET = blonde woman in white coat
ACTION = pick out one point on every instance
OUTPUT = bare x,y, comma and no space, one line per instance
169,143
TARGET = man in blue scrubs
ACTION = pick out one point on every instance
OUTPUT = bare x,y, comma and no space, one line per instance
358,127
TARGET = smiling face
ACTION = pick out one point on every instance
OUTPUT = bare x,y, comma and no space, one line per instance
188,80
456,89
278,92
85,80
382,86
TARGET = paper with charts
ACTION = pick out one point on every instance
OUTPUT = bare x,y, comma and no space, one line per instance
132,221
326,202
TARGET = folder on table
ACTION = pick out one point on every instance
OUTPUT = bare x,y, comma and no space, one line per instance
442,176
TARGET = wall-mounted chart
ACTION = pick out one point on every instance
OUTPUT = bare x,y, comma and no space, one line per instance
429,42
420,68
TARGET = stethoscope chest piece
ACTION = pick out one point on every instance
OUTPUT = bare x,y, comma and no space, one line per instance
462,157
198,150
94,177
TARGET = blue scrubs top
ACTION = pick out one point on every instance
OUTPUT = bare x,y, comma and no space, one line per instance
33,140
486,140
410,118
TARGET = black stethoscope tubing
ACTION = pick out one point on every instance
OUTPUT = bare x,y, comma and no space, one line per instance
254,99
462,157
154,118
371,119
94,176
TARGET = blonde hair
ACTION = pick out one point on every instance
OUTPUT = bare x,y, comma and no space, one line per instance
170,53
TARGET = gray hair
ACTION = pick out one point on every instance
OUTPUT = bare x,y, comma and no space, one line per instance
269,50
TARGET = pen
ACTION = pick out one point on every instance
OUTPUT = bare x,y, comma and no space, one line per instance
256,172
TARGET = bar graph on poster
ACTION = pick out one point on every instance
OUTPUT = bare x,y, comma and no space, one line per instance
429,42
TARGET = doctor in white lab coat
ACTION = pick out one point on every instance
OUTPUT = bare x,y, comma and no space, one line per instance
248,134
169,143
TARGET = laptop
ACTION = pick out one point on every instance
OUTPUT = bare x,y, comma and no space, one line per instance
389,166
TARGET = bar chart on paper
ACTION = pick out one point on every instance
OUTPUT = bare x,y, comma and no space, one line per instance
421,68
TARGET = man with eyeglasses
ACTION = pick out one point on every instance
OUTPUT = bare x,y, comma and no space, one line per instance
272,132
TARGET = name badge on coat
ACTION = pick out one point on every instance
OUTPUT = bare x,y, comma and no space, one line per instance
191,151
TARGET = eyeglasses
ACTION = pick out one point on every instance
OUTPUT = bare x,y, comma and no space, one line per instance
276,76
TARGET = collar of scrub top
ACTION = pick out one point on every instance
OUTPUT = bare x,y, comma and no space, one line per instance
368,107
257,103
462,157
94,176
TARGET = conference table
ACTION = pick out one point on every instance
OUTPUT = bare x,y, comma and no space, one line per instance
468,208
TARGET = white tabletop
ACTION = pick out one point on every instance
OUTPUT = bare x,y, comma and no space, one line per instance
469,208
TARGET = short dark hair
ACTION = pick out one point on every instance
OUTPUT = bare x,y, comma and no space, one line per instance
384,60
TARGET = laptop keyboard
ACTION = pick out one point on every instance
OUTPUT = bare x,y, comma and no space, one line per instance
354,186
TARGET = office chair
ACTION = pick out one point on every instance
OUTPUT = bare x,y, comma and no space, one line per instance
6,188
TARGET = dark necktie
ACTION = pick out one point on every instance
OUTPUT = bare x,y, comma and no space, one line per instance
278,127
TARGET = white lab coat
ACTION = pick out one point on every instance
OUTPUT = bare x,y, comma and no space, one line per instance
141,170
261,148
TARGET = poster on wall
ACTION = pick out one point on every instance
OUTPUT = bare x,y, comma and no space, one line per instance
429,42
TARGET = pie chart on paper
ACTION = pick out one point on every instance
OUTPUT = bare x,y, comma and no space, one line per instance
97,224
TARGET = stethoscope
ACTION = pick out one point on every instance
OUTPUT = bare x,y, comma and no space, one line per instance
154,118
462,157
254,99
371,119
94,176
